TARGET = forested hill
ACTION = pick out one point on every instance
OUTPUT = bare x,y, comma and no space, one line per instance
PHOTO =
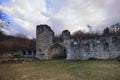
10,43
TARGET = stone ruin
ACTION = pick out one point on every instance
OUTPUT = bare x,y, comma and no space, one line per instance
28,53
72,49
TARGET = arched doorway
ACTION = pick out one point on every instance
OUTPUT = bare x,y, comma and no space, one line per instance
106,46
57,51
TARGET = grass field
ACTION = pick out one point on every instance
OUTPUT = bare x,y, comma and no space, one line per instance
61,70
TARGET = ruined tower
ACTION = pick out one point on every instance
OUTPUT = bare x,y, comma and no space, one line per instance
44,40
66,35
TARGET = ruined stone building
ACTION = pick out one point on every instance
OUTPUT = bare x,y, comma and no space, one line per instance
71,49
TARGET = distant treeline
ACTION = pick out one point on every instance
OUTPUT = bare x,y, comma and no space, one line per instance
10,43
113,30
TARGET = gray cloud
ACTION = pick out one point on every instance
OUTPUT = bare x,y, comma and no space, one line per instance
63,14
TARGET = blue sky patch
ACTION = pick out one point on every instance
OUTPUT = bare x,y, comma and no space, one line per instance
3,1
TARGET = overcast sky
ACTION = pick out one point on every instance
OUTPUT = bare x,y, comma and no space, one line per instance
60,14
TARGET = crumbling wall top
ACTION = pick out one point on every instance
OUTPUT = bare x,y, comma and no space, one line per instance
44,28
66,35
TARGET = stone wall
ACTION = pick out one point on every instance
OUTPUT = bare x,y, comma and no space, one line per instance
28,53
102,48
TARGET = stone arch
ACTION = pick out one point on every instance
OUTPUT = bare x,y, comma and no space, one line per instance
87,44
23,52
106,46
57,51
87,47
29,52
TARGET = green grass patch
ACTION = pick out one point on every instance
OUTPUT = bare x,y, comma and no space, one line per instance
61,70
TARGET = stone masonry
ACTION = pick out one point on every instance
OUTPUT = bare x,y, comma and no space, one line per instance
44,41
102,48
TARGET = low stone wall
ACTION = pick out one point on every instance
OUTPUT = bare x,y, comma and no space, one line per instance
20,53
